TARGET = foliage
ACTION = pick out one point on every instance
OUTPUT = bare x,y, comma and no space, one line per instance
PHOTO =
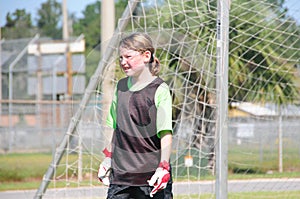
49,17
260,70
18,25
92,61
18,18
90,25
261,58
262,43
262,54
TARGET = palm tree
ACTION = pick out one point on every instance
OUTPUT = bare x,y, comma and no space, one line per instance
262,56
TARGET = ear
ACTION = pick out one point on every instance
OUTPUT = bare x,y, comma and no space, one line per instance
147,56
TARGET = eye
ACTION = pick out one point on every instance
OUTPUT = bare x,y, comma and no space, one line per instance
127,57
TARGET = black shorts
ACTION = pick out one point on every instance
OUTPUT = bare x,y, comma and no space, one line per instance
137,192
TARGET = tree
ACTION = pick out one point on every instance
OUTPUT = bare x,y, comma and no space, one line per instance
262,56
260,69
89,25
49,18
18,25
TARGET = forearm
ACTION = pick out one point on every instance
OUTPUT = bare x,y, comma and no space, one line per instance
166,146
108,138
108,147
105,166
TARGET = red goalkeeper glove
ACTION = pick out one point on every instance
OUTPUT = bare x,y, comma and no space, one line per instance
160,178
105,168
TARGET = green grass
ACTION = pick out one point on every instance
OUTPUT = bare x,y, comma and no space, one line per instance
254,159
25,171
22,185
20,167
248,195
244,162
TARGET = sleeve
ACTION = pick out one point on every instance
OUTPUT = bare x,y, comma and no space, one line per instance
163,102
111,120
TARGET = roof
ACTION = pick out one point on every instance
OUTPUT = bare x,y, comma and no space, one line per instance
268,109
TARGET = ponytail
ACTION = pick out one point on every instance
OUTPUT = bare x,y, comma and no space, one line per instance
154,66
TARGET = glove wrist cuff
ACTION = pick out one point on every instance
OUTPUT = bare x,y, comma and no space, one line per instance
165,165
107,153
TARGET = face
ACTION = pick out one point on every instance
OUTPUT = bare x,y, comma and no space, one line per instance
133,62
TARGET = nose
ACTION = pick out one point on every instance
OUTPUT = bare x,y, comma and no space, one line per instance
122,60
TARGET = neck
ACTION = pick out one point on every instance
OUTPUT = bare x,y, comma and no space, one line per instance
142,78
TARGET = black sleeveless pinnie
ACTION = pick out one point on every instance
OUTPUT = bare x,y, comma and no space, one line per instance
136,146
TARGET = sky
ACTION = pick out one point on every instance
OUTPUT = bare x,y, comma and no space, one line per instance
32,6
77,6
294,9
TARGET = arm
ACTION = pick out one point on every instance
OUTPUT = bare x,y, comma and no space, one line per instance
111,121
105,167
164,125
161,176
166,145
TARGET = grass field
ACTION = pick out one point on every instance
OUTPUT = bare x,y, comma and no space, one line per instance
25,171
255,159
246,195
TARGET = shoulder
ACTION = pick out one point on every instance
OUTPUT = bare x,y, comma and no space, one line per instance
163,91
162,85
123,80
123,84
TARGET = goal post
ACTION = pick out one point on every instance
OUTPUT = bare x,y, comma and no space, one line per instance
222,99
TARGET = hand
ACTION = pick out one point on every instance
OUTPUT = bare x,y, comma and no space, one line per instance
160,178
105,168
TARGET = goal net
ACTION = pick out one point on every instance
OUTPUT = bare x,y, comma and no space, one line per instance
263,93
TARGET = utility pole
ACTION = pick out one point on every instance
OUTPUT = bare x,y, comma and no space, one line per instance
0,74
68,52
107,31
107,22
65,20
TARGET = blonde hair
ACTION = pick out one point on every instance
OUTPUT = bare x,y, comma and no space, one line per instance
141,42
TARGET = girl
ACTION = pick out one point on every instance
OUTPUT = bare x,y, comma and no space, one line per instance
141,116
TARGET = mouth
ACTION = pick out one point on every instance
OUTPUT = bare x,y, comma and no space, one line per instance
125,68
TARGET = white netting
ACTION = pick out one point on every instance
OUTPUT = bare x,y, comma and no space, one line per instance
264,51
